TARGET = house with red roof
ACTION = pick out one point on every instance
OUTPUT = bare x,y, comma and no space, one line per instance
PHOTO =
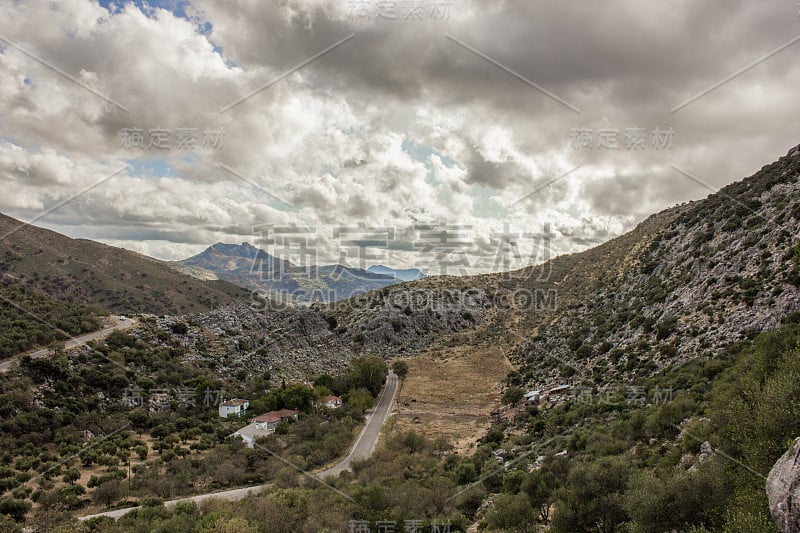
334,402
264,425
269,421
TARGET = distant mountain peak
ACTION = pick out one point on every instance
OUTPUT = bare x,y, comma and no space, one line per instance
232,255
408,274
251,267
238,250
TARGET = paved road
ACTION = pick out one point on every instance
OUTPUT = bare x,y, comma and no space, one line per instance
368,439
74,342
362,448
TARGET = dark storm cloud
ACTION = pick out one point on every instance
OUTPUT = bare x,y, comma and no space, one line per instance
624,64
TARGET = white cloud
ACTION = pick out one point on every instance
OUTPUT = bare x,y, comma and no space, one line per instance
333,138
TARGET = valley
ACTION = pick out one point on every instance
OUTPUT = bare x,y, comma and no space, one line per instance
657,342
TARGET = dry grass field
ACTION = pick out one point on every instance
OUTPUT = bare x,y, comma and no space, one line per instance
450,392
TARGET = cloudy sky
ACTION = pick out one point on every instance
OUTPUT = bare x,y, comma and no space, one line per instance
166,127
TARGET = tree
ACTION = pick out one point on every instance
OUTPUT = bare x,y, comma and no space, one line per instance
465,472
141,451
179,328
539,487
592,498
400,368
512,396
108,492
360,399
296,397
232,525
71,476
369,372
293,396
324,380
511,513
16,509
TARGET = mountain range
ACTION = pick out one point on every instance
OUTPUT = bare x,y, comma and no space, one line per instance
255,269
407,274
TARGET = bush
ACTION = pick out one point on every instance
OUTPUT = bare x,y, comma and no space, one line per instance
593,494
400,368
511,513
512,395
16,509
699,499
179,328
108,492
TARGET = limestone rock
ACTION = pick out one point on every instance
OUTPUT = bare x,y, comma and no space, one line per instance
783,490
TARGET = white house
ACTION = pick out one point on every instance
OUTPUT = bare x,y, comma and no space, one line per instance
264,425
555,392
334,402
250,433
269,421
234,407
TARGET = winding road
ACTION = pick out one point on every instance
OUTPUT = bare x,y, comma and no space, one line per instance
118,323
361,449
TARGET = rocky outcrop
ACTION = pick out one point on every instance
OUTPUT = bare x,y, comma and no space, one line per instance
407,319
293,341
783,490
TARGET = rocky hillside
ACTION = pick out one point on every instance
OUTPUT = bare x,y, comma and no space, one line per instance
682,284
499,308
399,320
293,343
714,272
257,270
83,271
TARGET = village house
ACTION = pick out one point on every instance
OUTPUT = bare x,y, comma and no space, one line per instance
552,394
234,407
264,425
334,402
159,400
250,433
269,421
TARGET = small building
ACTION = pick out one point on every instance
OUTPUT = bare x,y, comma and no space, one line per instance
532,397
234,407
264,425
159,401
334,402
557,391
269,421
250,433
